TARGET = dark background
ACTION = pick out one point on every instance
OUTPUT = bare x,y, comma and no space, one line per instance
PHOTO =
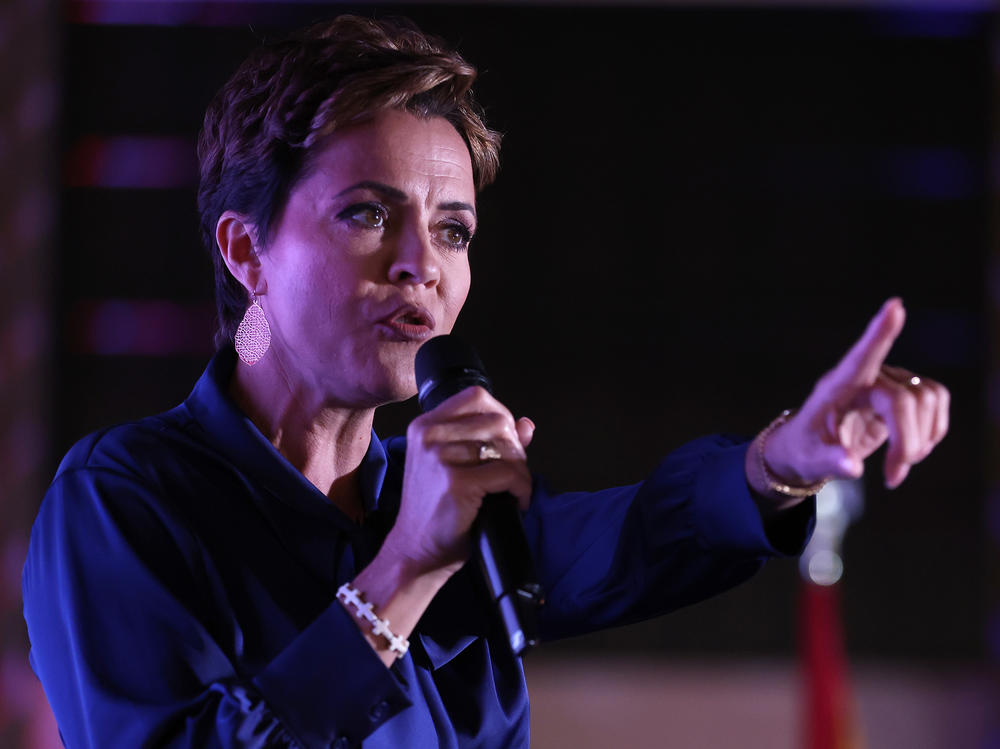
697,212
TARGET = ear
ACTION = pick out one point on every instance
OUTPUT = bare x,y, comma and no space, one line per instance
236,238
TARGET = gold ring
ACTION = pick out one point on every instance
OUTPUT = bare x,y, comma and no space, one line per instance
488,452
914,381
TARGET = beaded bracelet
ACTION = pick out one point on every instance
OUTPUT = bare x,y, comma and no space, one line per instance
351,595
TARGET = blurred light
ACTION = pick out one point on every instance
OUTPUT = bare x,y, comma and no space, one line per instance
934,18
940,19
132,161
825,567
837,505
147,327
180,12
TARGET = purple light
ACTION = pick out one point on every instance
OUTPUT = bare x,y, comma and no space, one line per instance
177,12
132,161
152,327
934,19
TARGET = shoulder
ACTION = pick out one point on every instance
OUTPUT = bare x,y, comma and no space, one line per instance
130,447
127,475
104,507
162,455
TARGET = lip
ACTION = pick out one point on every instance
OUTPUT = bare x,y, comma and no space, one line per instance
408,322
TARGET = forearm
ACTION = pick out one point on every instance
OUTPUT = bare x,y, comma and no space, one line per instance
161,658
690,530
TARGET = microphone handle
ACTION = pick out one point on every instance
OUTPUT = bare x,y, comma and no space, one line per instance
506,563
445,366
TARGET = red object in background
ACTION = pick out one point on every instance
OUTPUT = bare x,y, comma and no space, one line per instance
830,721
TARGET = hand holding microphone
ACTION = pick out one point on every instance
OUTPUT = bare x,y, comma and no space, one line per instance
465,477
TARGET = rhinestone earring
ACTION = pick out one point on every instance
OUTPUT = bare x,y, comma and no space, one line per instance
253,336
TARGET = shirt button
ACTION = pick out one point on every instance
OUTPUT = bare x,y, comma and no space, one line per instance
379,711
340,743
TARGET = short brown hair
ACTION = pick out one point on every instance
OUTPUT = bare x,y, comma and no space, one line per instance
265,123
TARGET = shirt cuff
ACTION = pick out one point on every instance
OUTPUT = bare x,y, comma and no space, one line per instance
728,516
329,683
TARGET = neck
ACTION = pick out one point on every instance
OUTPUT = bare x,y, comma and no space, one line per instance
325,442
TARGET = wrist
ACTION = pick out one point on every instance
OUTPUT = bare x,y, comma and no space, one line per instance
412,565
399,592
392,575
772,478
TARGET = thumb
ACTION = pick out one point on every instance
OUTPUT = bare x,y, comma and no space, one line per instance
800,455
837,462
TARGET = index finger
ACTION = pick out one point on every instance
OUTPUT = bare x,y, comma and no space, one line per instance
862,363
474,399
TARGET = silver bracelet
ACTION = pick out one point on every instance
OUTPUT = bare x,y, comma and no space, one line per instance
352,596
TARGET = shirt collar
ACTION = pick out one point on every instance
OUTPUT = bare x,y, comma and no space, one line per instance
232,433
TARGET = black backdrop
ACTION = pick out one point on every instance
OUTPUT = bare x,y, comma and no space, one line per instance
697,212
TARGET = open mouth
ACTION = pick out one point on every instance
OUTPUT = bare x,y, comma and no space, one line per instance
410,318
408,323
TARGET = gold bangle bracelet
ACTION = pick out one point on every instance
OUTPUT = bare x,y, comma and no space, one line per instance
774,483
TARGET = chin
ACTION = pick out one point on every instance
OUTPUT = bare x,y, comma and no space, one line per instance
400,381
405,391
394,389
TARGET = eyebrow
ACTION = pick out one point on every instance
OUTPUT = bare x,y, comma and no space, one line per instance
400,196
457,206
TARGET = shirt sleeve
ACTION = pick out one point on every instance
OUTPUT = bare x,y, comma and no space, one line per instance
123,638
690,530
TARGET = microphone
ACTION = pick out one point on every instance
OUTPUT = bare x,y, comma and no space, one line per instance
446,365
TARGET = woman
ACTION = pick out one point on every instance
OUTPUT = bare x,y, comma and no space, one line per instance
256,568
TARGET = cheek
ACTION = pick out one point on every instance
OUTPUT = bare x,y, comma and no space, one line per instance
459,282
319,294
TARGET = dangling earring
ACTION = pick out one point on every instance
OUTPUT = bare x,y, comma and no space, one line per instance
253,336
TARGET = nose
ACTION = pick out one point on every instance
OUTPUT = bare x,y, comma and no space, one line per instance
415,260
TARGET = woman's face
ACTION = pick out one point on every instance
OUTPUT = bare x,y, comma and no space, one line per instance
370,258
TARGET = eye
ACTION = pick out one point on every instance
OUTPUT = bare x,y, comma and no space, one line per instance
455,234
368,215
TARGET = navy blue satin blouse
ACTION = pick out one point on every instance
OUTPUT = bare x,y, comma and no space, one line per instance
180,588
